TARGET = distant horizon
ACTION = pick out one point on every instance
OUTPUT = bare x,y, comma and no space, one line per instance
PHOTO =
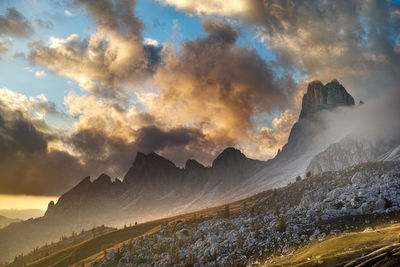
25,202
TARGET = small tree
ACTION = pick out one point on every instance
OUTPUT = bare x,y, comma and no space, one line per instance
252,211
227,212
308,174
298,178
239,240
281,227
388,203
276,211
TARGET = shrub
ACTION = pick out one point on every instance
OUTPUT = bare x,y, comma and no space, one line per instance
388,203
239,240
281,227
227,212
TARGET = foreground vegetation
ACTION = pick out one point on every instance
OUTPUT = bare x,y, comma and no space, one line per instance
317,220
341,248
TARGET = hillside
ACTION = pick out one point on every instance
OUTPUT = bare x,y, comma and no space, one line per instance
275,222
154,187
342,248
4,221
257,229
64,242
23,214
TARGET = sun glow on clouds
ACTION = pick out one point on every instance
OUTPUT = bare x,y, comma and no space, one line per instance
189,97
25,201
221,7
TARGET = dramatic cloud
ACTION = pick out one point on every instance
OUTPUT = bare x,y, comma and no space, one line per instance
221,7
29,165
14,23
3,48
216,86
272,139
112,59
354,41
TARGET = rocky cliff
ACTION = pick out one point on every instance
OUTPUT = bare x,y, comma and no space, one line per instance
329,96
303,133
153,186
353,150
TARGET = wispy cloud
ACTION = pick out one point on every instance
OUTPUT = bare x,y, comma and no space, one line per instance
40,74
68,13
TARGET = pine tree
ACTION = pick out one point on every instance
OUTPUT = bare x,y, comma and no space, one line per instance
281,227
239,240
227,212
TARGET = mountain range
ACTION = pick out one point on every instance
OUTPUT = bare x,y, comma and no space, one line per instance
155,187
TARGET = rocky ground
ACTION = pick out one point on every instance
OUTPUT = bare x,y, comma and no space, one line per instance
275,222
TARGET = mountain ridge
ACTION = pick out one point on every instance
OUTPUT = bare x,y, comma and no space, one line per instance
155,187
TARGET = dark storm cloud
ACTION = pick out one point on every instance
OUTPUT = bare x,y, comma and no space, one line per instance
152,138
15,24
219,31
19,136
114,15
97,148
27,165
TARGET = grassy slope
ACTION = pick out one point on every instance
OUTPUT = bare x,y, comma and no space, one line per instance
97,244
332,251
340,248
95,257
4,221
92,249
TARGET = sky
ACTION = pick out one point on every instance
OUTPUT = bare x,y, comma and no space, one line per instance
85,85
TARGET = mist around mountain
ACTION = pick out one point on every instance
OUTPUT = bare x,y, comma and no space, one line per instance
4,221
22,214
276,222
332,134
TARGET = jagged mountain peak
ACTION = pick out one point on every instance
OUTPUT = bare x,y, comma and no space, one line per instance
148,165
229,154
82,185
152,160
194,165
328,96
102,179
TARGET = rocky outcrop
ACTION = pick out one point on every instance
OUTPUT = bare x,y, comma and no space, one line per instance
153,185
279,221
329,96
318,97
4,221
350,151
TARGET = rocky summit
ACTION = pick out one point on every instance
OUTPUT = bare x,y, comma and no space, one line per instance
304,132
328,96
155,187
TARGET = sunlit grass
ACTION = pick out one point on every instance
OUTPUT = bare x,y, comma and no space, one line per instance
340,248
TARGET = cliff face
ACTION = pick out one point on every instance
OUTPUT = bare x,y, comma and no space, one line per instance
353,150
329,96
154,186
318,97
